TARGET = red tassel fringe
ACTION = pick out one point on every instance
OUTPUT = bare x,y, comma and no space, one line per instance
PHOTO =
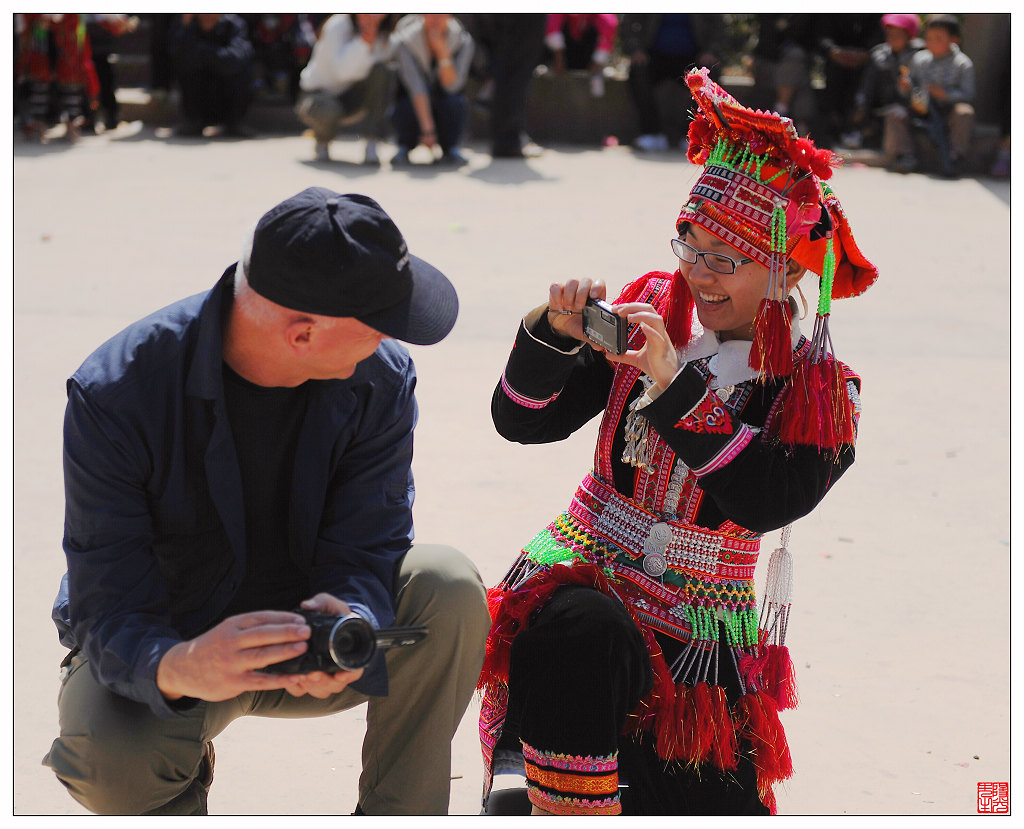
780,677
689,724
772,351
759,723
679,314
817,410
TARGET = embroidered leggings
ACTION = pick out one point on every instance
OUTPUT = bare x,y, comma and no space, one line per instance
576,673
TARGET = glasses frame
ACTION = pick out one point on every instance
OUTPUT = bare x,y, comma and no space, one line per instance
705,253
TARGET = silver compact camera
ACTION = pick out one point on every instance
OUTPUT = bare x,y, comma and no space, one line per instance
604,327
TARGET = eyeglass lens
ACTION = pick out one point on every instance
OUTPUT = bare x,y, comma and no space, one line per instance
715,261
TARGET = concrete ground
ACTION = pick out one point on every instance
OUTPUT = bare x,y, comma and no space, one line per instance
900,628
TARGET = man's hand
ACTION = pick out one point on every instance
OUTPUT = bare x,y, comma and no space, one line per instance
319,684
223,662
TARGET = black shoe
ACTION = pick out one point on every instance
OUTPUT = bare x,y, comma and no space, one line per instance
205,774
189,129
452,158
238,131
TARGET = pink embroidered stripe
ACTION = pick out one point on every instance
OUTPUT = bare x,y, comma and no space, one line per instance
523,400
739,442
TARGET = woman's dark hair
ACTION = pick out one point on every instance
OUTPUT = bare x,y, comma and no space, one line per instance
387,25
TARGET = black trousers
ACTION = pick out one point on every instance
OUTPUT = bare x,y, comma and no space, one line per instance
450,111
644,79
212,98
518,46
575,675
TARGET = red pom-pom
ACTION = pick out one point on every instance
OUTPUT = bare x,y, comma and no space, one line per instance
801,152
821,163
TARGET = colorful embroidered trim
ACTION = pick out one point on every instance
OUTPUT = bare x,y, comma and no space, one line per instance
522,399
572,785
728,452
708,417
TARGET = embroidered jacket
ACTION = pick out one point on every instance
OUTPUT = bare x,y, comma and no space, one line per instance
675,540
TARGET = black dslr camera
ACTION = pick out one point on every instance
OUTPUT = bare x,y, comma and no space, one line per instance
343,643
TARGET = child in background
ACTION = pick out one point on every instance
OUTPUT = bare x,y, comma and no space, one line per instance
940,84
879,99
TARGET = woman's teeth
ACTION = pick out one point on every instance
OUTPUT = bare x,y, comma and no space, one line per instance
712,298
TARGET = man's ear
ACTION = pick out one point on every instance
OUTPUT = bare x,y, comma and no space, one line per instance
299,333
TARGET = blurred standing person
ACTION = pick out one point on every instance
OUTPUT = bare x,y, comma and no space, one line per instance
782,67
55,72
348,81
434,54
881,105
664,47
103,30
213,58
844,40
517,46
161,62
32,73
582,42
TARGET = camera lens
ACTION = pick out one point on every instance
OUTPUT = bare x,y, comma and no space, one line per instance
352,642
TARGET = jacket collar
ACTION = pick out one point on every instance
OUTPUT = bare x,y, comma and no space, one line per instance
205,378
729,360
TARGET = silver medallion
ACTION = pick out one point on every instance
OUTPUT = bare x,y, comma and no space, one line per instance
655,565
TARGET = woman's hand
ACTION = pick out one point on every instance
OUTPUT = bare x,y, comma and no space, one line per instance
657,357
565,306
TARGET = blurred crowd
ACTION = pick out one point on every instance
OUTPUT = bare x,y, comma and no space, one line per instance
894,82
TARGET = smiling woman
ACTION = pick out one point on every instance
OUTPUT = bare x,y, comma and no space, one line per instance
627,636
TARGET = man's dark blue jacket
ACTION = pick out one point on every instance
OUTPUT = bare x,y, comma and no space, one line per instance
154,527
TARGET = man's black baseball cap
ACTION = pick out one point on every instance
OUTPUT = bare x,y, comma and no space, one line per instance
341,256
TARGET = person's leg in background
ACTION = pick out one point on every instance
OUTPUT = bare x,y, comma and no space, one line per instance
517,51
451,114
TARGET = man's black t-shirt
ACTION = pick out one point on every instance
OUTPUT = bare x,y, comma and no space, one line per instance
265,424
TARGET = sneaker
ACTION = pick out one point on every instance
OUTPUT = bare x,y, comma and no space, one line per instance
320,152
371,159
1001,166
401,159
851,140
906,163
651,143
452,158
